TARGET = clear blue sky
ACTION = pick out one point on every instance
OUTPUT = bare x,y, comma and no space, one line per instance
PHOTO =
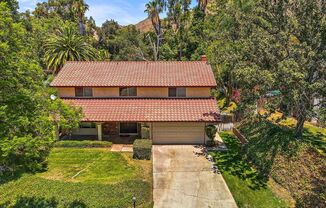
124,11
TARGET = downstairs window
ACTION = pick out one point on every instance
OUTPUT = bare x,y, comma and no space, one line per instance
128,128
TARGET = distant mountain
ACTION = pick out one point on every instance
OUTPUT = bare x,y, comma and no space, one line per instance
144,25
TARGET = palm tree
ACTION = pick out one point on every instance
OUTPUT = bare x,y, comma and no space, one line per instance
67,45
202,4
153,9
79,7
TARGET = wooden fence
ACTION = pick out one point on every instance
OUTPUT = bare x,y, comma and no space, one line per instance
224,127
226,124
240,136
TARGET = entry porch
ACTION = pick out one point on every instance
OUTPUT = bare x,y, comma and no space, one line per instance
158,132
115,132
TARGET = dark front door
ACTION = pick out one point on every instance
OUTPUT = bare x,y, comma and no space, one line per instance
109,128
106,128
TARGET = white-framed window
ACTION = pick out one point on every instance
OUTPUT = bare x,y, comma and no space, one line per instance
84,92
128,128
128,91
177,92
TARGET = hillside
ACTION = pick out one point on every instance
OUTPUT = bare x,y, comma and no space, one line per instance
144,25
297,165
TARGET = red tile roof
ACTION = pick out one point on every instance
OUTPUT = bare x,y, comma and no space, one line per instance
148,110
137,74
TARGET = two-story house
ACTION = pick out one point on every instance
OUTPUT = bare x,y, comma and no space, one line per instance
170,98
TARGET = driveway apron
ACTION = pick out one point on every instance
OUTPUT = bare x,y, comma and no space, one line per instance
183,179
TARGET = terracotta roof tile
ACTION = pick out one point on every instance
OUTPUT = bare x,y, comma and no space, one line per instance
148,110
133,73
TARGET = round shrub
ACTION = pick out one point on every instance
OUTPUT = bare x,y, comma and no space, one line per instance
142,149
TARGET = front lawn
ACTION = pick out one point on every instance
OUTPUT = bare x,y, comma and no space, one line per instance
247,186
82,177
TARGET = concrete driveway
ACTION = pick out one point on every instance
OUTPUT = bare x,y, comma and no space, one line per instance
183,180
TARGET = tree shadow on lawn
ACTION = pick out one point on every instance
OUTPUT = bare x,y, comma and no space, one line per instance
233,162
274,148
266,141
35,202
316,140
9,176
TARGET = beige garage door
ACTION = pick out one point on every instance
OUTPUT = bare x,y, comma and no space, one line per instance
178,133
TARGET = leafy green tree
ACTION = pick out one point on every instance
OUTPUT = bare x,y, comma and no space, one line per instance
123,43
38,29
68,10
107,35
67,45
27,127
131,45
290,39
200,30
301,71
13,6
225,52
41,10
109,28
179,22
276,45
64,117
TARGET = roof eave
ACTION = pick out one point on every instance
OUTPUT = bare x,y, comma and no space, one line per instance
100,86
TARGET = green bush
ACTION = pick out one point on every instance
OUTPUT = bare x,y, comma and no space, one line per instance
145,132
142,149
23,154
82,144
210,132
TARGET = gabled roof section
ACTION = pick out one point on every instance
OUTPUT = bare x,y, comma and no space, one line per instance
148,110
136,74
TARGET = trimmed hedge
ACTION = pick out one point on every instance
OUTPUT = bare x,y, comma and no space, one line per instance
82,144
142,149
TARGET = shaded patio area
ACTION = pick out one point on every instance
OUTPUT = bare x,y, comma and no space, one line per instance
114,140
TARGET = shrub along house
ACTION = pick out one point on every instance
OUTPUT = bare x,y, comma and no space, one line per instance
167,101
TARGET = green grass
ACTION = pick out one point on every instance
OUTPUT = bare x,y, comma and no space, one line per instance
81,177
248,187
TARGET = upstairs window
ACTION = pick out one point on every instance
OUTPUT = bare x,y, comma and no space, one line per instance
83,92
177,92
128,91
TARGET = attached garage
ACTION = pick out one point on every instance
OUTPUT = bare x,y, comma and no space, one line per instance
178,132
170,121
